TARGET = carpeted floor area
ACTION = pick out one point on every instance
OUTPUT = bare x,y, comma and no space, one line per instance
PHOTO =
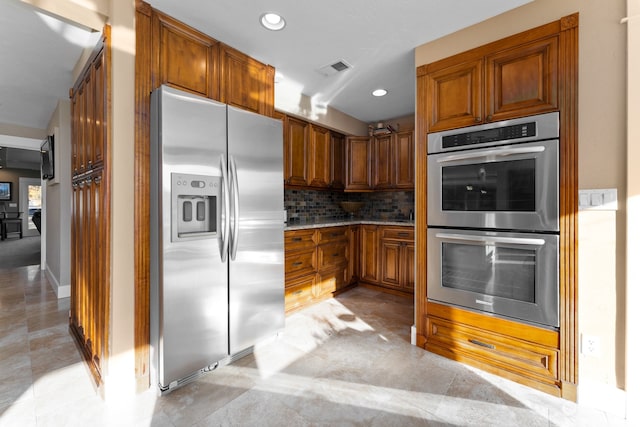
16,252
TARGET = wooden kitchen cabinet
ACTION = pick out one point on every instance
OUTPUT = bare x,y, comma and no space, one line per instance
383,162
185,58
393,161
313,156
245,82
397,250
369,253
319,158
89,311
404,161
532,72
484,85
337,161
358,164
316,264
296,151
520,352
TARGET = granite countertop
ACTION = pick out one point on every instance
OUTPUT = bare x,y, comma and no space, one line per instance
329,222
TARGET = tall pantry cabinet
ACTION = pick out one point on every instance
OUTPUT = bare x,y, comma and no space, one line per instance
90,213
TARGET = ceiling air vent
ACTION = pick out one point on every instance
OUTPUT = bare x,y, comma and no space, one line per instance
334,68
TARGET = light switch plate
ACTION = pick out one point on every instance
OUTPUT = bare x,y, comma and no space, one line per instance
605,199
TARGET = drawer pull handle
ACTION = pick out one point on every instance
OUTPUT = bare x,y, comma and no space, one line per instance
297,292
336,254
295,264
335,234
483,344
297,239
403,234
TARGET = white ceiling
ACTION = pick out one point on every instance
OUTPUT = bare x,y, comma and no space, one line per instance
376,37
37,56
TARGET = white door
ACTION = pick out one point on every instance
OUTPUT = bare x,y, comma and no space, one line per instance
30,202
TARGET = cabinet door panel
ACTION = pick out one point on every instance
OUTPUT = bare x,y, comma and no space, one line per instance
522,80
320,157
454,96
404,165
186,58
390,263
358,164
337,161
99,110
245,82
383,159
408,282
369,253
296,151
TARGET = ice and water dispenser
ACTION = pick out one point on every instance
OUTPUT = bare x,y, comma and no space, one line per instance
195,201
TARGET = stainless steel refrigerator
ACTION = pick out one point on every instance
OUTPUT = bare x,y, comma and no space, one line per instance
217,233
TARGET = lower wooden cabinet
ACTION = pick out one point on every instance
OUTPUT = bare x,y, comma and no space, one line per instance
388,257
322,262
316,265
523,353
396,258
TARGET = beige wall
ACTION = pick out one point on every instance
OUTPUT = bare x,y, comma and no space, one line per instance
633,211
602,161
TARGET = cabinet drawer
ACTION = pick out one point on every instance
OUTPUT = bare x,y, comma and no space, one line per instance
398,233
503,352
298,239
332,234
332,255
298,292
300,263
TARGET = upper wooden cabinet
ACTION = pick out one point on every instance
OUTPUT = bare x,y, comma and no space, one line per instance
319,157
185,58
337,161
404,155
358,164
484,85
383,161
296,149
245,82
313,155
522,81
192,61
89,116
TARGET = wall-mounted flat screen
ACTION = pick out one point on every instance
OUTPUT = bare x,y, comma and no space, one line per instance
46,154
5,191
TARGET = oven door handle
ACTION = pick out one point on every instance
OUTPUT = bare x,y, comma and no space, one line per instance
500,152
490,239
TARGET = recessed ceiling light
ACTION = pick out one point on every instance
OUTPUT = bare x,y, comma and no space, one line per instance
379,92
272,21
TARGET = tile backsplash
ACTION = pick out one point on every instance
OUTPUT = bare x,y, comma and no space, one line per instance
310,205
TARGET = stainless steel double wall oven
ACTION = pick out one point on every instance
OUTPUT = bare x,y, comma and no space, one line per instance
493,218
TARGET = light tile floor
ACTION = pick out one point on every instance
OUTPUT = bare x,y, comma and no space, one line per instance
344,362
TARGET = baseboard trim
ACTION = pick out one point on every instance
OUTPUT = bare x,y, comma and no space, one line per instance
604,397
62,291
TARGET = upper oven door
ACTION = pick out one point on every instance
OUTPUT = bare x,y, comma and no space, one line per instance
506,187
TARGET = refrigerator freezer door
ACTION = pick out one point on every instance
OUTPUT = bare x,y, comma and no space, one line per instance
190,282
256,275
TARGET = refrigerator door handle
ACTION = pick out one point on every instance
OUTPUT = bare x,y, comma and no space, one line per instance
226,226
236,207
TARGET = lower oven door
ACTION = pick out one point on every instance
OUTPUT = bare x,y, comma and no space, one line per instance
514,275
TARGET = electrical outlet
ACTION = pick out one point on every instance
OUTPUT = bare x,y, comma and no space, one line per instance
590,345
